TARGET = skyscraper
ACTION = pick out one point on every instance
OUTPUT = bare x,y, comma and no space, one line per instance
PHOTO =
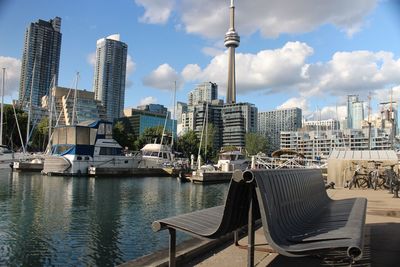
110,74
272,123
204,92
355,112
40,60
232,41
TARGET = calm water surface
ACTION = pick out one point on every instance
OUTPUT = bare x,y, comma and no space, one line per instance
60,221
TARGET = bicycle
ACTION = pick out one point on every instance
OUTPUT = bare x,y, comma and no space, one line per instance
359,178
391,178
375,179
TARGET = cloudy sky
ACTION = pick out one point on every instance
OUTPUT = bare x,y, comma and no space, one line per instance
304,53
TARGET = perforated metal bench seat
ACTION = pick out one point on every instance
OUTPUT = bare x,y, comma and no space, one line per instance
299,218
214,222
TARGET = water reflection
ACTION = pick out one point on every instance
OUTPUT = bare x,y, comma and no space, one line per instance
85,221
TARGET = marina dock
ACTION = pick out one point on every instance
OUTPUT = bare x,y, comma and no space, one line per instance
210,177
381,247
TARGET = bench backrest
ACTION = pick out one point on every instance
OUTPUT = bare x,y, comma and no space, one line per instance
288,198
237,203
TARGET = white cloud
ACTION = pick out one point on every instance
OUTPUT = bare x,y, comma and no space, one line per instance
333,112
13,71
212,51
91,59
209,18
130,65
191,72
156,11
147,100
295,102
163,78
268,70
356,72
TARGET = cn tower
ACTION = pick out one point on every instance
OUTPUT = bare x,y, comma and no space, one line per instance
232,41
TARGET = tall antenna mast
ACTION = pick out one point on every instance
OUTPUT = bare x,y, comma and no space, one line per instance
232,41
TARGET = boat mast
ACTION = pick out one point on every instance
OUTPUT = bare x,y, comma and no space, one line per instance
30,108
75,100
173,117
2,106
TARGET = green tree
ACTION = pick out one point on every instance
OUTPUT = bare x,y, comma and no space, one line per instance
255,143
188,144
123,134
11,136
40,136
208,137
151,135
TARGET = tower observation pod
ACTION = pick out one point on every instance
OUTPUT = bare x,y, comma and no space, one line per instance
231,41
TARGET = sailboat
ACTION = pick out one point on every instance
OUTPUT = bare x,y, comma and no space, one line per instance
6,153
159,158
28,162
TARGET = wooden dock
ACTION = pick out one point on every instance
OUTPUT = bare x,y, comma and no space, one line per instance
210,177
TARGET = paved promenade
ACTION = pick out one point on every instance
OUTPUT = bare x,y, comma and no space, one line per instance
381,248
382,238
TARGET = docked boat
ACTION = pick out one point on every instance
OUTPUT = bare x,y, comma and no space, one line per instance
156,156
156,159
232,160
90,145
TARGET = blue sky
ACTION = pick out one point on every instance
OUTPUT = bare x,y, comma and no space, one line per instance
305,53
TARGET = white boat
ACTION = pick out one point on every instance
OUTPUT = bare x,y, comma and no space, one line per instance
232,160
156,156
77,148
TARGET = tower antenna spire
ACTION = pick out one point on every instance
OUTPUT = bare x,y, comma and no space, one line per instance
232,41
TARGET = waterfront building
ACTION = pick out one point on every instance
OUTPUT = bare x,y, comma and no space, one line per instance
204,92
154,108
138,120
110,75
318,145
40,60
181,108
272,123
85,108
195,117
238,119
321,125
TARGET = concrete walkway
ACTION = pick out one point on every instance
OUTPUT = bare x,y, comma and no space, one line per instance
381,248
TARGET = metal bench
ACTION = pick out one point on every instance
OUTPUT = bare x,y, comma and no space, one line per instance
299,218
216,222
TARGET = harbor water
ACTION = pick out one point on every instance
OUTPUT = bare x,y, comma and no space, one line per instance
75,221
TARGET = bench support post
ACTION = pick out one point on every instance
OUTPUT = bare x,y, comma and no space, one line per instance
172,247
250,248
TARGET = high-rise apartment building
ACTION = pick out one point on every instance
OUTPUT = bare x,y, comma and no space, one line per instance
204,92
40,60
202,114
272,123
238,119
110,74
